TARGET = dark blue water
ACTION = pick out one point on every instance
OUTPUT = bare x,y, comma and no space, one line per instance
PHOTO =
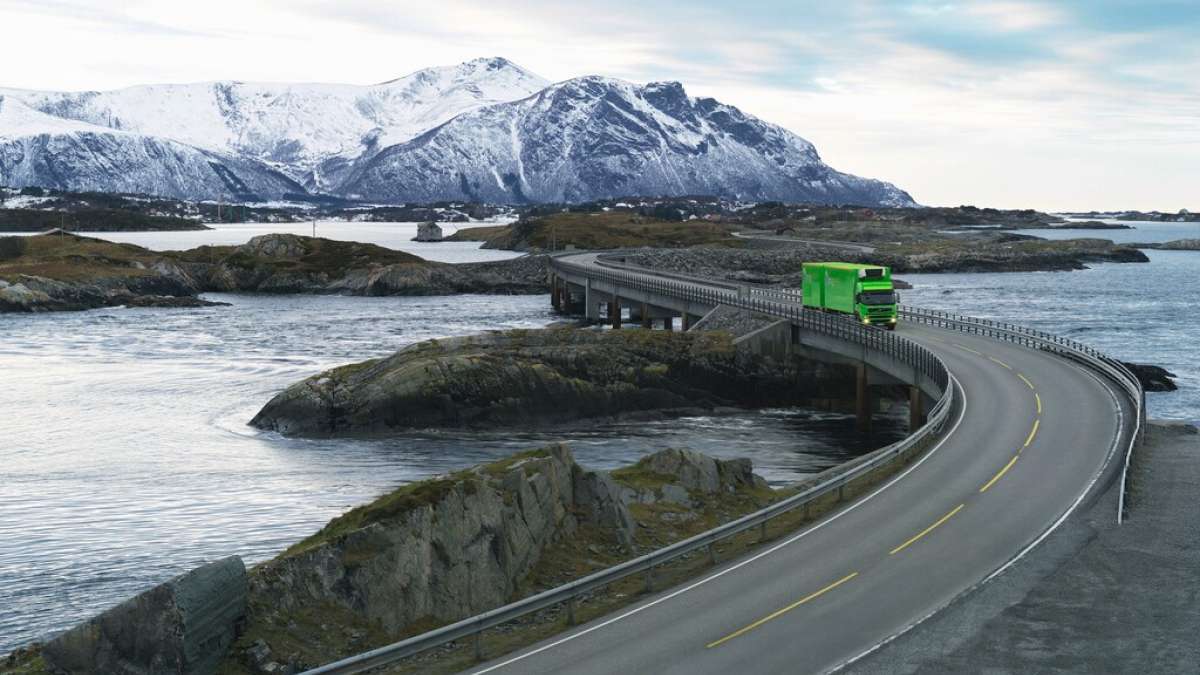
125,457
1144,313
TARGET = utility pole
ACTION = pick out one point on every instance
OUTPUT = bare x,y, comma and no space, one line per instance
314,228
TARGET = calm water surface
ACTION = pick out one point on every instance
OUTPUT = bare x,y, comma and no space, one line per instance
397,236
1144,313
125,457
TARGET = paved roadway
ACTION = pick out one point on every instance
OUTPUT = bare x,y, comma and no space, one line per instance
1035,432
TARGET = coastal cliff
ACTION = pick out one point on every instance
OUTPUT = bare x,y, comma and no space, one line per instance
441,550
423,555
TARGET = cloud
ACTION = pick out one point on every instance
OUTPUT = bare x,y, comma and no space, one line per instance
943,96
1005,15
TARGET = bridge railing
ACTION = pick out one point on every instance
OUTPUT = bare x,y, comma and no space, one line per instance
782,304
862,472
1107,366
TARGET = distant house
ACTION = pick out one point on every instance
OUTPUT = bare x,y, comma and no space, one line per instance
428,232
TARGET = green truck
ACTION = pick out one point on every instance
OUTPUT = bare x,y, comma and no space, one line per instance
864,291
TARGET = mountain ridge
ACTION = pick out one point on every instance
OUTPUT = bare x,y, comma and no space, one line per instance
485,130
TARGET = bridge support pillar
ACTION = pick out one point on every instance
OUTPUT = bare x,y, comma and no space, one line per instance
555,293
862,403
647,320
685,322
614,313
669,323
591,311
916,409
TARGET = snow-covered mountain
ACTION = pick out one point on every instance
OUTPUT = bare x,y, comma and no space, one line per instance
595,137
303,130
38,149
484,130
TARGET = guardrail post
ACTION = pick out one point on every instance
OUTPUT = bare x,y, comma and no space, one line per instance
712,555
762,531
589,301
478,639
916,409
571,611
650,579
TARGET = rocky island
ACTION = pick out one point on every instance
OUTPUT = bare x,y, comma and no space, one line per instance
768,245
64,271
542,377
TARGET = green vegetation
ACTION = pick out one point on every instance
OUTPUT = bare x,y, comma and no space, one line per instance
389,507
69,257
26,661
602,230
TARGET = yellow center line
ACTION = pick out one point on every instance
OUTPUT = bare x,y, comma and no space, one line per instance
1000,473
927,530
1039,401
964,347
1000,362
1026,381
780,612
1033,432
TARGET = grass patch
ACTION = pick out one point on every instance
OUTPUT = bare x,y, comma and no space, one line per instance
26,661
68,257
391,506
604,230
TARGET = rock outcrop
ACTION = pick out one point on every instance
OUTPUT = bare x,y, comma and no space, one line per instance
532,377
1173,245
1153,378
69,272
781,265
446,548
184,626
443,549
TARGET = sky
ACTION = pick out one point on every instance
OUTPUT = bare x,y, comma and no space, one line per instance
1069,105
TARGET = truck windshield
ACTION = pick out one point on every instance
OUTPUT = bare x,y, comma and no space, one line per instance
877,298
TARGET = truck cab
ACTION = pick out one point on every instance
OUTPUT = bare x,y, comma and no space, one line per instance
863,291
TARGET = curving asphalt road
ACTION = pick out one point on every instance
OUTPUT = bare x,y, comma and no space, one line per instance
1033,435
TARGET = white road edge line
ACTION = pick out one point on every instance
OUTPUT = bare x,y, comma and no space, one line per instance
742,563
1023,552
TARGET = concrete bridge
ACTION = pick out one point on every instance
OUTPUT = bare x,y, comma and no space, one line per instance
1027,426
605,290
1038,428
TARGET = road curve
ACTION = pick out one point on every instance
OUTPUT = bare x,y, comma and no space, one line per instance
1033,435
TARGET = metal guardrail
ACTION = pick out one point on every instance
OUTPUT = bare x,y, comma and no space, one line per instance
1111,368
923,360
787,305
